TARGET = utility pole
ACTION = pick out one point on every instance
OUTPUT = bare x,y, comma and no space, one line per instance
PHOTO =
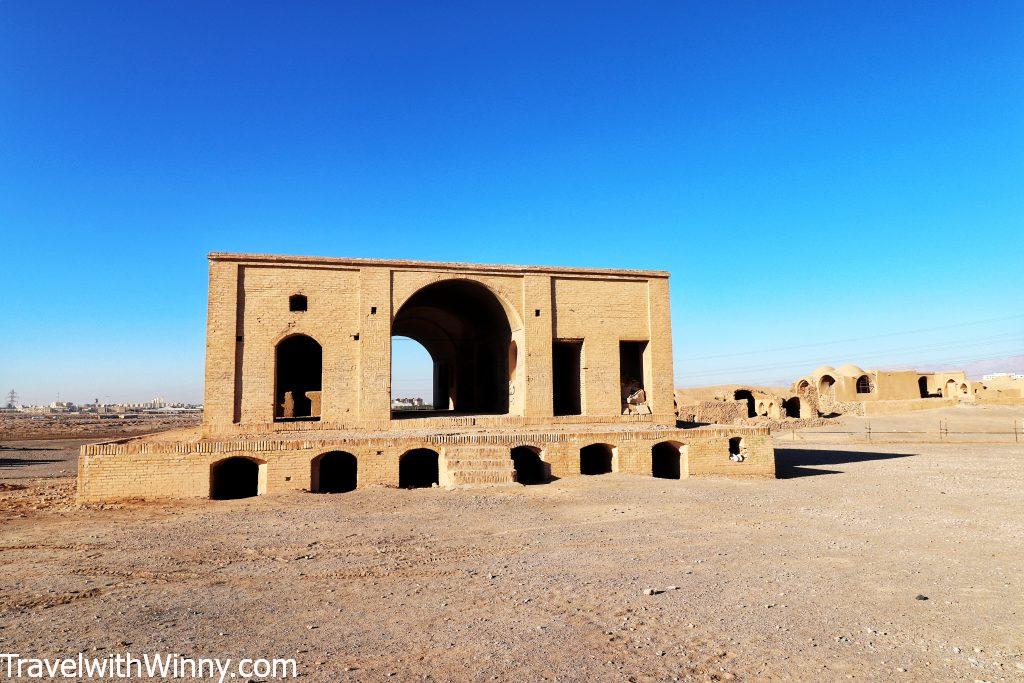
12,399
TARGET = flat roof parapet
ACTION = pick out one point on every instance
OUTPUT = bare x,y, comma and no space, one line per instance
283,259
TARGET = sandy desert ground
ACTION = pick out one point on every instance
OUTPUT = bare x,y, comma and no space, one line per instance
813,576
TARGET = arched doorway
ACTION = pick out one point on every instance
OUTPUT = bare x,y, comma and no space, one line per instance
792,406
412,376
964,390
236,477
334,472
863,385
466,331
596,459
298,372
666,460
418,469
950,388
922,386
826,384
745,395
528,465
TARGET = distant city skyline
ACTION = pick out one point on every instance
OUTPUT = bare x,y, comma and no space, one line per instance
825,182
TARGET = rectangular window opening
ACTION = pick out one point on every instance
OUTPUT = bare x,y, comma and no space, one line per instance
632,372
566,365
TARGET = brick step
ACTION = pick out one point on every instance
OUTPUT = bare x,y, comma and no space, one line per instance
479,464
466,476
492,452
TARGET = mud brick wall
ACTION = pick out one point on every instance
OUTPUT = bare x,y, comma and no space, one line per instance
712,457
139,469
897,407
713,412
351,307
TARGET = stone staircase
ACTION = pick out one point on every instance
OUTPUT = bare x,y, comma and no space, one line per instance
476,466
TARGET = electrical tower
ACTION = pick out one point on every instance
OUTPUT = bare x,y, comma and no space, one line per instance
12,399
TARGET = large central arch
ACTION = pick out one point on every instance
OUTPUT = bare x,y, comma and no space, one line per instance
464,328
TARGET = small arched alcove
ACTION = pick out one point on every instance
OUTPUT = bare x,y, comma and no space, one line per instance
530,468
668,460
597,458
235,477
333,472
418,468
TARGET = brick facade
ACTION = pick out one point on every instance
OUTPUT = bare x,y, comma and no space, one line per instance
349,310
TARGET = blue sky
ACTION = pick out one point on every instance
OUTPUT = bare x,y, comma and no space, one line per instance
811,173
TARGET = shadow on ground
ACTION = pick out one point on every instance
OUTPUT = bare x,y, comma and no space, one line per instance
799,462
22,462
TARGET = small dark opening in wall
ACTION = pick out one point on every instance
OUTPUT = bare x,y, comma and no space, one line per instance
373,310
665,459
234,478
528,465
418,469
566,359
297,302
536,313
792,406
745,395
734,445
596,459
334,472
355,336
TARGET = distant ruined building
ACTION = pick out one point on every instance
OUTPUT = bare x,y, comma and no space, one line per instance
846,390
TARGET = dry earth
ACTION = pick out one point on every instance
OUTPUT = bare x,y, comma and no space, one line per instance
810,577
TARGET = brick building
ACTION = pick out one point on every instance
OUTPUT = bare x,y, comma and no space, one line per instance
538,372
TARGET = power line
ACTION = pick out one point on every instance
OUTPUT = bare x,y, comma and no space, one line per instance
982,341
854,339
946,361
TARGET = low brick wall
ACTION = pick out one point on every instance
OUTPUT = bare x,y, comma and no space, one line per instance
875,408
182,469
712,412
1001,401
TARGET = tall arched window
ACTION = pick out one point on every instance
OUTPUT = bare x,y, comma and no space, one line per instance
863,385
298,378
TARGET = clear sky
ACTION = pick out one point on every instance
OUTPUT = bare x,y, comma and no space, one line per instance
812,174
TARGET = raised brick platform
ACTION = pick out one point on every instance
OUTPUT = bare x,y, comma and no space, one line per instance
179,464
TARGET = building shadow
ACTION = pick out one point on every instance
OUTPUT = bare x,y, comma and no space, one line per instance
800,462
23,462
